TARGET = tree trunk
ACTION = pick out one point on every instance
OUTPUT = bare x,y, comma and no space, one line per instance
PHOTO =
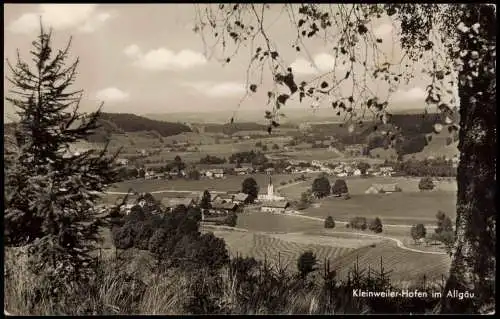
473,260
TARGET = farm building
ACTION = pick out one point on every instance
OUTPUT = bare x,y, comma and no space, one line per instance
122,161
354,150
269,170
243,170
240,198
383,189
386,171
225,207
275,207
222,198
215,173
172,203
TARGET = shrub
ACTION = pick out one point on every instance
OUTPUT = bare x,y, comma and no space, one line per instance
250,187
142,233
160,244
426,183
444,223
123,237
321,187
340,187
231,220
329,222
418,231
306,263
358,223
376,225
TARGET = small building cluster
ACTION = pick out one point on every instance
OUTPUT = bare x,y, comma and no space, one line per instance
383,189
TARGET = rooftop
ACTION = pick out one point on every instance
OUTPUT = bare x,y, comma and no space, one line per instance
282,204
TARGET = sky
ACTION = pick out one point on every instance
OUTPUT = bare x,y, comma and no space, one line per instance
146,58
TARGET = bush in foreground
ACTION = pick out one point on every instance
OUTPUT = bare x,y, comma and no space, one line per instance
127,285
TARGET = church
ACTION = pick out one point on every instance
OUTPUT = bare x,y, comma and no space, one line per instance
270,196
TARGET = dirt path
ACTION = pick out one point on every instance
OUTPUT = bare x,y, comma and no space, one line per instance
343,223
398,242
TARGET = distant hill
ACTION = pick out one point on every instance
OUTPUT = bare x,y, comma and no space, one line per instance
293,115
120,123
133,123
232,128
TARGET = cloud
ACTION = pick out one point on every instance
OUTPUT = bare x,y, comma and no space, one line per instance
84,17
383,30
164,59
223,89
323,62
132,51
411,95
112,94
302,66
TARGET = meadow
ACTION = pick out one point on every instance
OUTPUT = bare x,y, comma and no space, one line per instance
397,208
313,228
319,154
407,267
230,183
358,185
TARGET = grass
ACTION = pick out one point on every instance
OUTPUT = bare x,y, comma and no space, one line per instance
396,208
319,154
262,247
407,267
265,222
358,185
309,229
230,183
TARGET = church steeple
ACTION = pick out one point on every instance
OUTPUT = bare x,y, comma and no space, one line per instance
270,188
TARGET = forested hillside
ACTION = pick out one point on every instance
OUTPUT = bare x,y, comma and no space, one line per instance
120,123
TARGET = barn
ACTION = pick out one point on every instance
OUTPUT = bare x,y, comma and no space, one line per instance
383,189
275,207
240,198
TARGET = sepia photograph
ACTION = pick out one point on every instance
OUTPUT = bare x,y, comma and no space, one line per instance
249,159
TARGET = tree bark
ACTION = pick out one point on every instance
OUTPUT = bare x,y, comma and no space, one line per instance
473,260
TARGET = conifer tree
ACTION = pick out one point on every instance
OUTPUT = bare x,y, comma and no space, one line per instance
50,192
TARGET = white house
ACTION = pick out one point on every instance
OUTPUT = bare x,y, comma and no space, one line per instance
356,172
386,171
215,173
383,189
275,207
243,170
122,161
240,198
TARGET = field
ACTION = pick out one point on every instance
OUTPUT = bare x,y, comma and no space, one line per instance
265,222
358,185
230,183
407,267
319,154
314,228
397,208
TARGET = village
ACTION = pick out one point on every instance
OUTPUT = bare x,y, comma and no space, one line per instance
225,203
